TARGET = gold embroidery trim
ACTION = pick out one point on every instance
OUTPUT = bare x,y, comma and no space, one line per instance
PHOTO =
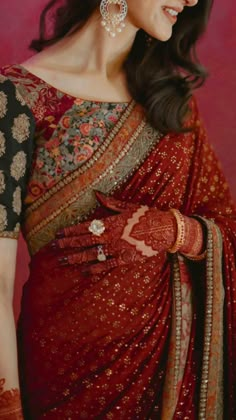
178,316
170,395
208,409
9,235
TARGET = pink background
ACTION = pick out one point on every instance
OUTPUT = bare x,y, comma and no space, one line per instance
19,23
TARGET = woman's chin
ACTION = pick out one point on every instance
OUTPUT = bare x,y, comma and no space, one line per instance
162,36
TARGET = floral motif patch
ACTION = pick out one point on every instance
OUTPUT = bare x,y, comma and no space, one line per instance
79,133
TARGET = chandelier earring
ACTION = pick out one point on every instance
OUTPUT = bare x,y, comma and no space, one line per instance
112,21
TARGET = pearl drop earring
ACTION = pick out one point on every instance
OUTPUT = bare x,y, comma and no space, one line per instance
113,22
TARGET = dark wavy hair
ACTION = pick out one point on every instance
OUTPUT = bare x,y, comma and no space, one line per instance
161,76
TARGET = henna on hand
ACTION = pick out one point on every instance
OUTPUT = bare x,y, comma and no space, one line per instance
156,229
10,403
134,234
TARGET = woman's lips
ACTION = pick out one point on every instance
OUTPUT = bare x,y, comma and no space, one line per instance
171,16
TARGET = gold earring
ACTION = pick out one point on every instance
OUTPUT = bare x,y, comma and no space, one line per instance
113,23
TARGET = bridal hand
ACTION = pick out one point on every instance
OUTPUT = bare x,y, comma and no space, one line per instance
134,234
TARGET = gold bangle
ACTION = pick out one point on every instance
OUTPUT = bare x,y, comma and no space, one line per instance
180,239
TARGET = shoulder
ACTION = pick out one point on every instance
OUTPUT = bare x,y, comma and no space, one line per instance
26,84
14,72
13,78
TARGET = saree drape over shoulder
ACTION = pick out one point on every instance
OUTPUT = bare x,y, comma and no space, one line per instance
145,341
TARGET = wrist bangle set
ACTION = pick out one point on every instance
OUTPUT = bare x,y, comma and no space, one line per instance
181,232
181,237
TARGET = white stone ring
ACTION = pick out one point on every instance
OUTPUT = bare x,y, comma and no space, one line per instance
101,256
97,227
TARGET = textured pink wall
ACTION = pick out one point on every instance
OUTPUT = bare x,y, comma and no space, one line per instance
19,22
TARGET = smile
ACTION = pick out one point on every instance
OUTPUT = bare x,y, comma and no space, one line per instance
171,14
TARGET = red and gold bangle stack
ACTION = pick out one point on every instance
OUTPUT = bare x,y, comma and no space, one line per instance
195,240
181,232
189,240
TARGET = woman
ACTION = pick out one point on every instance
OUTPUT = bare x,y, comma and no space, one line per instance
129,311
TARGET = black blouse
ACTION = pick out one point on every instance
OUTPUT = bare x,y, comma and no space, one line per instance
16,148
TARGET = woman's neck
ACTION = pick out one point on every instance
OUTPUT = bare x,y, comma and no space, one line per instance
92,50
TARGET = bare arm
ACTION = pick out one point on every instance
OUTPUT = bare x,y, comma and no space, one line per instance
10,405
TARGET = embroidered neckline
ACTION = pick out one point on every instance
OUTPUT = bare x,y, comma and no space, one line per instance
25,71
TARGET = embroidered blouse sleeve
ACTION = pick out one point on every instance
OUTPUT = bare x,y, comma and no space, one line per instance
16,147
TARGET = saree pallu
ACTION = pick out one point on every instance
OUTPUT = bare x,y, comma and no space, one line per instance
141,341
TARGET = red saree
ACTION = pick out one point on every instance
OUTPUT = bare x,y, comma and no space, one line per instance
141,341
145,341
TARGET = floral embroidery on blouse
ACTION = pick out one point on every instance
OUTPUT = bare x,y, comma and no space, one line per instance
21,128
79,133
18,166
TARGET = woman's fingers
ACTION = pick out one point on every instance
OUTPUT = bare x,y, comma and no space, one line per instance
97,227
75,230
96,254
85,241
92,261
